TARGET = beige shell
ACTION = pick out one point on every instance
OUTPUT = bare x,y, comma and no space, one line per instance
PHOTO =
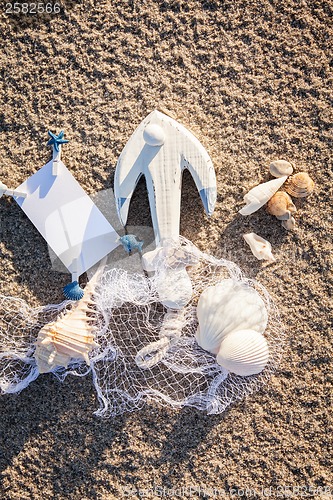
261,248
279,168
281,205
243,352
70,337
300,185
289,224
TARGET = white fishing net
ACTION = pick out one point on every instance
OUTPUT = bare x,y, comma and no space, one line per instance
146,351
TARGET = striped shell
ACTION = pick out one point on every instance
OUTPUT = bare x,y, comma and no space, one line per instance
281,205
70,337
226,307
300,185
243,352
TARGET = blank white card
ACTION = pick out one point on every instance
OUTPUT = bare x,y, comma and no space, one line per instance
67,218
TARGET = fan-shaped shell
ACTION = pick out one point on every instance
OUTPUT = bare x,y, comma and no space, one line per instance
281,205
154,135
300,185
244,352
226,307
259,195
279,168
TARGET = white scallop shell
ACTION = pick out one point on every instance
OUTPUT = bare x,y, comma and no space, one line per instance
261,248
154,135
244,352
259,195
226,307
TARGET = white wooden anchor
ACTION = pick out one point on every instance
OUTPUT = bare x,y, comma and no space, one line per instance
161,149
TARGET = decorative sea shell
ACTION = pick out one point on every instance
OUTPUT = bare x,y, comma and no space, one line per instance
243,352
70,337
300,185
154,135
281,205
259,195
73,291
289,224
262,249
279,168
226,307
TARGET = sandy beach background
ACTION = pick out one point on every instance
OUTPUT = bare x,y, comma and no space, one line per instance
253,81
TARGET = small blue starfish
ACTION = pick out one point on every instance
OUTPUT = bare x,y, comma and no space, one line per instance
56,140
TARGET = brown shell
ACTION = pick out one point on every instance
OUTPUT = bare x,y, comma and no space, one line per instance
300,185
281,205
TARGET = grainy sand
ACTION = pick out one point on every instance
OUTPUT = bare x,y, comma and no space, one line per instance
253,81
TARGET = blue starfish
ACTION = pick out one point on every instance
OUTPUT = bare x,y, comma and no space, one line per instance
56,140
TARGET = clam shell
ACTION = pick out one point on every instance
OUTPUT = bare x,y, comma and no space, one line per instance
154,135
261,248
281,205
300,185
226,307
279,168
259,195
243,352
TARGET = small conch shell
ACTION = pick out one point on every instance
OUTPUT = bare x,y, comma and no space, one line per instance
289,224
281,205
226,307
70,337
243,352
259,195
300,185
279,168
262,249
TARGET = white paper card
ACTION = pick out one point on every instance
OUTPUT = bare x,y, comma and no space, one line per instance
67,218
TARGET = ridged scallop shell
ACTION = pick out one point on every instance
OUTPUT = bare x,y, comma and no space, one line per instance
70,337
281,205
259,195
261,248
243,352
154,135
226,307
279,168
300,185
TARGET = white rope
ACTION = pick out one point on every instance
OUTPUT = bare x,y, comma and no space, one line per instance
171,330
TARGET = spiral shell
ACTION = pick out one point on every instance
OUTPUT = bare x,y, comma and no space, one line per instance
70,337
261,248
259,195
243,352
281,205
289,224
300,185
226,307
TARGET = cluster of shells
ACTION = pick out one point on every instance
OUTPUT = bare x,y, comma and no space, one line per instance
298,185
232,319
